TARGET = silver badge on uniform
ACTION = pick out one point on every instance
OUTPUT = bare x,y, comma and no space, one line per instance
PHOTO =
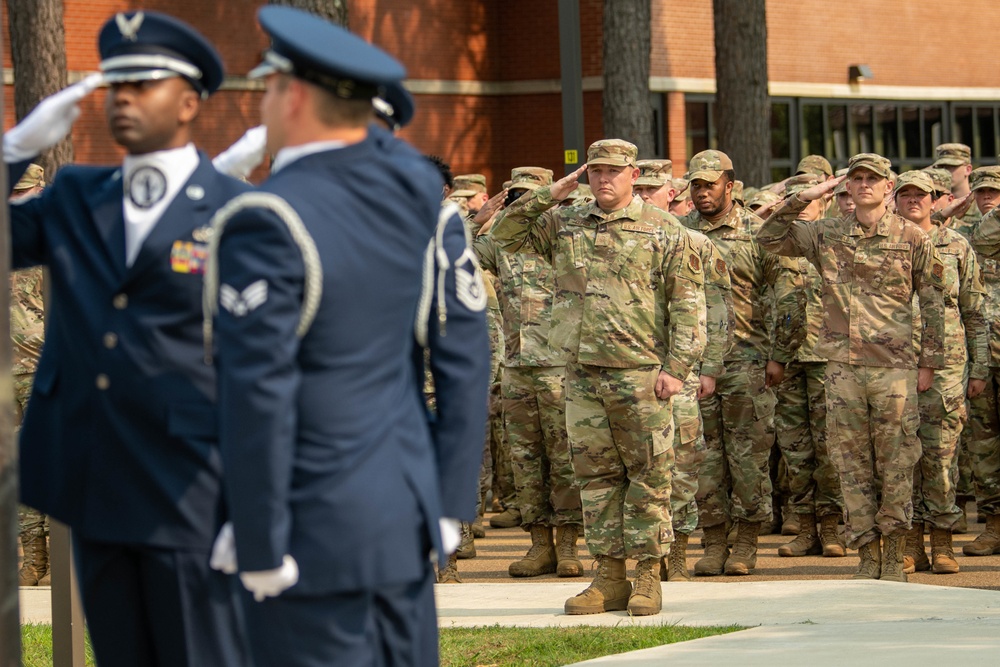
146,187
195,192
245,302
202,234
469,284
129,28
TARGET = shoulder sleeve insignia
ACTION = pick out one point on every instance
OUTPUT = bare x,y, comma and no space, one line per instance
694,262
720,266
243,303
938,270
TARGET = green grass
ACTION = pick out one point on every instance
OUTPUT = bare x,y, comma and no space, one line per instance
493,646
497,646
36,646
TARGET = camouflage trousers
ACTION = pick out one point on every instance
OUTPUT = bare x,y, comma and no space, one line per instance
30,522
689,453
621,436
942,413
496,473
813,486
735,478
534,408
872,420
981,438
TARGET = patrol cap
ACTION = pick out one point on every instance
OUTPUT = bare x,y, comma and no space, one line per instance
616,152
872,162
762,198
941,178
149,46
917,178
394,105
842,186
816,165
800,182
681,186
529,178
952,155
33,176
655,173
737,193
708,166
985,177
467,185
314,50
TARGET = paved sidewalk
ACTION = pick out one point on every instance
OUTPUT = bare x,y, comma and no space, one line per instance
794,622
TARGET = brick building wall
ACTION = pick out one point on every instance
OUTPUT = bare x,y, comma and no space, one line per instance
486,72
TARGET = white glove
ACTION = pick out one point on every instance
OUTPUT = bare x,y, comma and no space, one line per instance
224,550
48,122
451,534
271,583
242,157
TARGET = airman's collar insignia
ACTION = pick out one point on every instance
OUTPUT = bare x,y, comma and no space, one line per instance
202,234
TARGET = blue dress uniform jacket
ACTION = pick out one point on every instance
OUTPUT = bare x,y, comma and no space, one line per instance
326,441
120,437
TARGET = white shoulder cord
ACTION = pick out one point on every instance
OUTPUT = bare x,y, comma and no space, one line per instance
435,249
313,288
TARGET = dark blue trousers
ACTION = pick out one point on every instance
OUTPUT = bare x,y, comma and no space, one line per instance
151,607
384,627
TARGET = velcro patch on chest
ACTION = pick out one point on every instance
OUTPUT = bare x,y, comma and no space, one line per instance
889,245
636,227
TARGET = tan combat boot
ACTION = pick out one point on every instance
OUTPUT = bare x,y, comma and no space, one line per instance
988,542
914,554
829,537
36,560
942,553
567,559
449,575
509,518
647,598
716,552
744,556
892,556
609,591
870,555
674,566
806,543
792,524
467,547
541,557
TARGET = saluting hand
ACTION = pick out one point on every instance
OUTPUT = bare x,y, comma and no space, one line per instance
819,190
565,185
957,208
492,205
48,122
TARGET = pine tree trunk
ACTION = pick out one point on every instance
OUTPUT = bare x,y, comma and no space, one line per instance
38,52
628,113
332,10
743,110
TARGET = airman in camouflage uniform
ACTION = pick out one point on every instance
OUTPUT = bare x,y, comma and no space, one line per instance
956,159
942,407
800,420
872,262
984,418
655,186
626,317
470,194
534,404
27,332
739,418
682,204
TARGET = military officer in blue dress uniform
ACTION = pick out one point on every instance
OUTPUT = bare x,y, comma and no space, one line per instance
336,481
121,437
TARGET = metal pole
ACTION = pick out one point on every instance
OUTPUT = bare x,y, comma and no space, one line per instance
10,615
571,69
67,615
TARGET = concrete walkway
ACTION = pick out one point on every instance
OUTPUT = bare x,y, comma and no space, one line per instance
815,623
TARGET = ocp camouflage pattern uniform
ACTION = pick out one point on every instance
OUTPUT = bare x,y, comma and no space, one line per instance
496,472
869,278
27,333
628,297
739,418
984,417
533,388
942,407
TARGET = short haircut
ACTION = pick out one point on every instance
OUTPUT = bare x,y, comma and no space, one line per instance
444,168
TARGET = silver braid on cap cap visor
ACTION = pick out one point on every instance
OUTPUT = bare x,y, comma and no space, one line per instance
149,61
313,288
